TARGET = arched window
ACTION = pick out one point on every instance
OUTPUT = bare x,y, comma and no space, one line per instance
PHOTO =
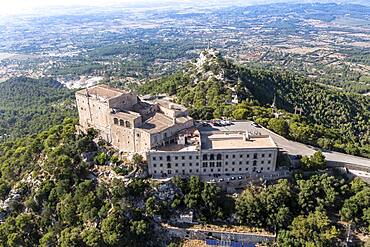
254,162
205,157
121,122
254,156
219,156
115,120
128,124
211,156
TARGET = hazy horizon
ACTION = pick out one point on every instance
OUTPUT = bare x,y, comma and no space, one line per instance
20,7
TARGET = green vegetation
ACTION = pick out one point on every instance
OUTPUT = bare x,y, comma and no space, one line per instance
28,106
303,212
316,161
331,119
54,196
54,202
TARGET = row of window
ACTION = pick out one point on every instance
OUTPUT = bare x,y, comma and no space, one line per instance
211,164
254,169
169,165
122,122
168,158
212,156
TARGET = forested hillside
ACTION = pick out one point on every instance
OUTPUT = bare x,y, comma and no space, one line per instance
331,119
61,189
28,106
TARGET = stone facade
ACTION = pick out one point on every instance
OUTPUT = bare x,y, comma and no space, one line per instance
164,133
128,123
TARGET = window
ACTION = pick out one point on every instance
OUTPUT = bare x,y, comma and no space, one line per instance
233,156
183,164
219,156
154,165
262,162
190,157
241,156
177,171
226,169
268,168
226,156
240,162
254,162
240,169
219,164
160,157
269,162
254,156
233,163
168,158
247,162
176,164
154,158
176,158
169,171
211,164
197,157
211,156
232,169
254,169
205,157
246,169
226,163
155,171
197,164
196,170
212,170
270,155
205,164
121,122
161,165
261,168
115,120
204,170
168,165
263,155
190,170
182,157
247,155
128,124
190,164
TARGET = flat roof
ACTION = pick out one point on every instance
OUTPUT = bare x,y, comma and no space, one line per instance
126,115
233,126
235,141
176,148
103,91
156,123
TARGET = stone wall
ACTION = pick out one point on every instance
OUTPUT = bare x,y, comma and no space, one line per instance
186,233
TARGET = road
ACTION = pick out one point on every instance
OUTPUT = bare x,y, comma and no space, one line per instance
333,158
295,148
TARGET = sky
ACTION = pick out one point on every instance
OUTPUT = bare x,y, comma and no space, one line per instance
20,6
12,7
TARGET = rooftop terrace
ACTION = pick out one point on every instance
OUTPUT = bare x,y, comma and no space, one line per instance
102,91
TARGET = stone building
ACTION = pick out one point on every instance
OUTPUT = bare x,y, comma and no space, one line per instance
169,139
127,122
210,153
